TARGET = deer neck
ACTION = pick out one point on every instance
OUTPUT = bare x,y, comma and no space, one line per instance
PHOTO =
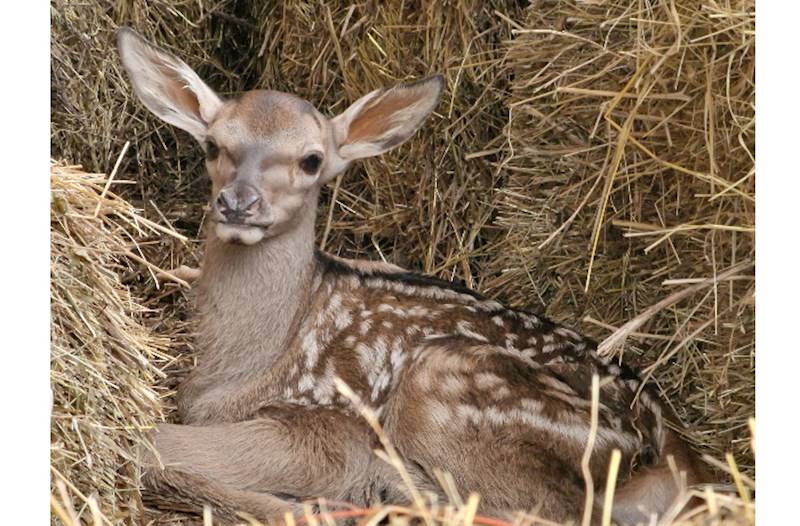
249,298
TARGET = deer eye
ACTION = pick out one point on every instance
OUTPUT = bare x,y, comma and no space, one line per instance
310,163
212,150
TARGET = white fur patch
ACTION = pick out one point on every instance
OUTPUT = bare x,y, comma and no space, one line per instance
311,348
372,359
490,305
397,357
246,235
465,329
325,390
365,326
568,333
549,347
412,329
510,339
451,385
488,381
531,322
501,393
420,311
439,413
306,383
343,319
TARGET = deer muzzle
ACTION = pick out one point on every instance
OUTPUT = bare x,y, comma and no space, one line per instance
236,203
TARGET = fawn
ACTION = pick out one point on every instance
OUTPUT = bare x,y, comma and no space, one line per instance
497,397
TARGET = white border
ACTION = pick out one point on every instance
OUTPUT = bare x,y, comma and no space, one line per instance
777,260
25,209
25,254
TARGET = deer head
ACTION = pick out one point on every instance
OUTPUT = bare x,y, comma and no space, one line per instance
268,152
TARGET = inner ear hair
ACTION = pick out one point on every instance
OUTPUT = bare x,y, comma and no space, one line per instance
386,118
166,85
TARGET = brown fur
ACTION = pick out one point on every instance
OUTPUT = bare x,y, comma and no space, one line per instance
497,397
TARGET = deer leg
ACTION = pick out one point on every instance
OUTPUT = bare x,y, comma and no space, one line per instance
186,273
180,489
266,466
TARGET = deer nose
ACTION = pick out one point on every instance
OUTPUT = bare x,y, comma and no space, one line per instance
237,202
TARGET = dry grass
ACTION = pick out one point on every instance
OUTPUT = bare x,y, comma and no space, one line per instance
630,177
105,362
590,159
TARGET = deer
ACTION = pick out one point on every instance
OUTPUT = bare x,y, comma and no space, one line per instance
499,398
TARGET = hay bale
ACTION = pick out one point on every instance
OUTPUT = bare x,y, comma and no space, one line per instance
630,175
105,361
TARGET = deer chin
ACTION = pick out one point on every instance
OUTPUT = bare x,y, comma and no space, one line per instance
239,234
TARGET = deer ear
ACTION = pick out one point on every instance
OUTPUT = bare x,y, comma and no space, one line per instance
166,85
386,118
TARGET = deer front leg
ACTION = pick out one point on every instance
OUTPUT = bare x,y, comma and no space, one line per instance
187,274
265,466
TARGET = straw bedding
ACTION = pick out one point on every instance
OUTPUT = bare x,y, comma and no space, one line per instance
589,159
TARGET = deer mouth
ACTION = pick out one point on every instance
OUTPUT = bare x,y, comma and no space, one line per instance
240,233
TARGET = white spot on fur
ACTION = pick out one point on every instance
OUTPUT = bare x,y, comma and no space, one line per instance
490,305
306,383
501,393
380,383
335,302
487,381
439,413
421,312
430,292
385,307
465,329
498,320
531,322
397,357
325,389
451,385
469,413
412,329
311,348
365,326
343,319
510,342
568,333
372,359
529,413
